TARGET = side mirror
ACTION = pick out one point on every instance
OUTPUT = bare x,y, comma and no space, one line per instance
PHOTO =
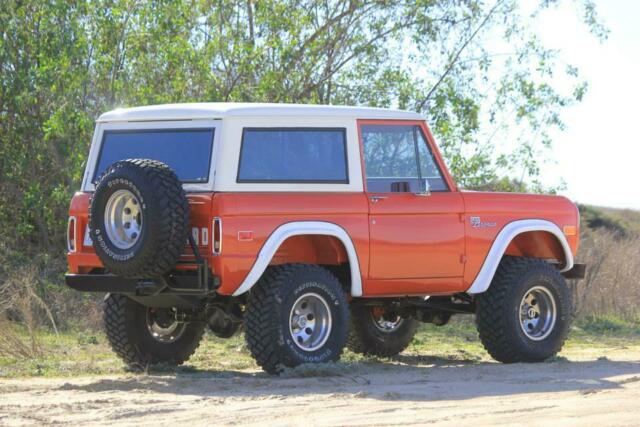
425,189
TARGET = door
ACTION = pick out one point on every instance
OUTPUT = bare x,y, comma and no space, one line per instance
415,216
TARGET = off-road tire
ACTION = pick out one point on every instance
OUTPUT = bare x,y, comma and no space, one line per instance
365,338
126,327
165,214
267,318
497,311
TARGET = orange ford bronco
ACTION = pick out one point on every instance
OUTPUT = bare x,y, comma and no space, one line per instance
313,227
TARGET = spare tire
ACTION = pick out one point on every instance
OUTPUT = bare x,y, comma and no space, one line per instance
139,218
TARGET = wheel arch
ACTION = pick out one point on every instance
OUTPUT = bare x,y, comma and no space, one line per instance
506,238
302,228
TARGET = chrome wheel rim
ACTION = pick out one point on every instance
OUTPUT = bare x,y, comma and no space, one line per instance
310,322
164,331
387,324
123,219
538,313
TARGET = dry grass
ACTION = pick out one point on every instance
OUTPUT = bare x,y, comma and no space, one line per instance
611,287
17,345
20,303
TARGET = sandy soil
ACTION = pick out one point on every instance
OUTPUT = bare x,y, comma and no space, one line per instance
410,391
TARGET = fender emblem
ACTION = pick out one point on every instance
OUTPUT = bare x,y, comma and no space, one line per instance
476,222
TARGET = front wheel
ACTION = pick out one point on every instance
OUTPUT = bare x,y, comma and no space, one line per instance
525,314
296,313
143,336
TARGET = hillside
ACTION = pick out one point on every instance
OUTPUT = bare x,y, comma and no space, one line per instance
624,222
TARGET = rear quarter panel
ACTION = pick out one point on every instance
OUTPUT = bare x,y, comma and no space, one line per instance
260,214
84,259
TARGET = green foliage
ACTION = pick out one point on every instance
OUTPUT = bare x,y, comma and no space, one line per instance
610,325
621,222
511,185
63,63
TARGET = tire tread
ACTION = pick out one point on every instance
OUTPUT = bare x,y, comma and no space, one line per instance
492,309
261,315
131,351
174,220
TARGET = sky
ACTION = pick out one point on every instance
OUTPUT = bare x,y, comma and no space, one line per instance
598,155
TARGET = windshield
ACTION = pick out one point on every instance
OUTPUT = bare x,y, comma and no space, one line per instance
186,151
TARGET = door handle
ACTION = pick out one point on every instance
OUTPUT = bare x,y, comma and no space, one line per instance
376,199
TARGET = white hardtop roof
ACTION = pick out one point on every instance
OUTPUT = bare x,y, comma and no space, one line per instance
218,110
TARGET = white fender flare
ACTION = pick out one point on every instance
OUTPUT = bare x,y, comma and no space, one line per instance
299,228
502,241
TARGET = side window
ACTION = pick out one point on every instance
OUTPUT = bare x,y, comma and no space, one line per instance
429,169
293,155
398,159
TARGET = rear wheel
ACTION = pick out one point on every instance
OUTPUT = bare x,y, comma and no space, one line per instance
296,314
143,336
376,331
525,314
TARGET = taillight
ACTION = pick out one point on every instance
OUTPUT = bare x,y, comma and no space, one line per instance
217,236
71,234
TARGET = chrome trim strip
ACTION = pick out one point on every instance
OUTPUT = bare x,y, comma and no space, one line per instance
217,222
73,248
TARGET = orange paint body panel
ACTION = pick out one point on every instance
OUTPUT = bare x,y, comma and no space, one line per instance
262,213
504,208
84,259
417,236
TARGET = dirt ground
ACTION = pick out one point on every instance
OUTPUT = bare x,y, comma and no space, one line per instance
585,389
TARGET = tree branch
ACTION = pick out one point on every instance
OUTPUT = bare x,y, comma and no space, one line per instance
455,58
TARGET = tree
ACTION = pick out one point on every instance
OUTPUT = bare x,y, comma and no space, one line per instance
62,63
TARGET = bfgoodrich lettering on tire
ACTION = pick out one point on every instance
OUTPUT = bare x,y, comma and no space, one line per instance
525,314
296,313
139,218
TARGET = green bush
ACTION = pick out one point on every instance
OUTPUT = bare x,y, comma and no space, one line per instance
609,324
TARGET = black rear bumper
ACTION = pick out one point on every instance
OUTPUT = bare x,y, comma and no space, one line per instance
579,271
101,283
179,284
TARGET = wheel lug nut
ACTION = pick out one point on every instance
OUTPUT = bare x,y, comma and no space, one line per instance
127,211
134,235
127,225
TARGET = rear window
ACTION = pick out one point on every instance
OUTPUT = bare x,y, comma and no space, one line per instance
186,151
293,155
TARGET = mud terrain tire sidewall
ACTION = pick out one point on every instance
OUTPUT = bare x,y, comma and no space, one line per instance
497,312
366,338
267,318
165,218
125,324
